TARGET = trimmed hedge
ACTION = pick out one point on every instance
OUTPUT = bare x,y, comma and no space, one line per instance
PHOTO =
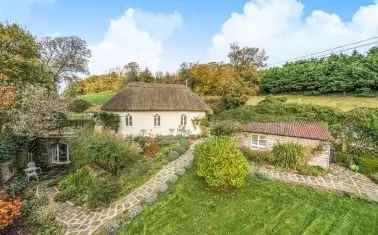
220,163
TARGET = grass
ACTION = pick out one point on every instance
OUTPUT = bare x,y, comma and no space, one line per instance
345,103
262,207
98,98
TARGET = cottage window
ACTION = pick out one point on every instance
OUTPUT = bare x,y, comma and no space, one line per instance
183,120
129,120
258,141
60,153
157,120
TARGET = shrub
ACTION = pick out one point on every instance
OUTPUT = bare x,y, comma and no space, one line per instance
102,192
289,155
172,155
344,159
219,161
10,209
79,105
374,177
74,185
184,142
152,149
106,150
108,120
16,186
311,170
225,128
180,149
257,156
367,164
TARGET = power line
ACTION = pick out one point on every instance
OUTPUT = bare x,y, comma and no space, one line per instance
334,50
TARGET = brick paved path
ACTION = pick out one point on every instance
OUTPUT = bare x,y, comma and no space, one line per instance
338,179
79,220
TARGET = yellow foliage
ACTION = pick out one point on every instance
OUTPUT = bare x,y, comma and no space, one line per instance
98,83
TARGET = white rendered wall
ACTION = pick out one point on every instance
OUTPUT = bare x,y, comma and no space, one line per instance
143,122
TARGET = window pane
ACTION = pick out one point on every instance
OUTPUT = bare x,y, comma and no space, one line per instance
262,140
254,140
63,154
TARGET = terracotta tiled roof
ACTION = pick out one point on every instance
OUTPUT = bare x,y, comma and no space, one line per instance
306,130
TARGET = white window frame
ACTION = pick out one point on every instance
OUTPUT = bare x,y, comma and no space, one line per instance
157,120
184,120
259,144
55,157
128,120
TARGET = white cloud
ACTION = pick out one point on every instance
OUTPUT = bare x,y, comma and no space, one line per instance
136,36
280,27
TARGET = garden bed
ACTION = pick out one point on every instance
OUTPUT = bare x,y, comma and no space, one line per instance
119,167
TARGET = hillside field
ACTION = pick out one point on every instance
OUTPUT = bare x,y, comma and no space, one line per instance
345,103
98,98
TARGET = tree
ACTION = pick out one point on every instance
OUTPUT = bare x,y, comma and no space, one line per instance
65,57
20,61
37,111
146,76
246,57
131,71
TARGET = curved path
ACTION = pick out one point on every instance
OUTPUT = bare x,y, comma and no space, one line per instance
79,220
337,179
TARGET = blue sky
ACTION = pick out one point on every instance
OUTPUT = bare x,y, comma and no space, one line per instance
161,34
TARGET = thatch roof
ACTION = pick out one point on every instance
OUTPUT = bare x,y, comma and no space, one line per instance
138,96
306,130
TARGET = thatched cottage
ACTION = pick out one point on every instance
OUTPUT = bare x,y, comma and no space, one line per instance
264,135
157,109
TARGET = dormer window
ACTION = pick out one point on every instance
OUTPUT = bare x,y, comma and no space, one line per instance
156,120
129,120
184,120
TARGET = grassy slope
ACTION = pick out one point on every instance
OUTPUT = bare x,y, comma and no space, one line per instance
262,207
98,98
345,103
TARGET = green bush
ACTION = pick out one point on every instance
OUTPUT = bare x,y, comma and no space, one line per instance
219,161
108,120
344,159
173,155
74,186
367,164
258,156
180,149
82,187
79,105
225,128
289,155
311,170
16,186
106,150
102,192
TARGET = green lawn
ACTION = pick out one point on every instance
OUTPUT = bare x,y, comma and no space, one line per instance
262,207
98,98
345,103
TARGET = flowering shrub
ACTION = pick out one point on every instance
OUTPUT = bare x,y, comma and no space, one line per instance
152,149
10,209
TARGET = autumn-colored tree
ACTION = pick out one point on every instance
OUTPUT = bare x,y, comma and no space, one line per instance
95,84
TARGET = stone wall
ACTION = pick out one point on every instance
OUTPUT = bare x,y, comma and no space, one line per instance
319,159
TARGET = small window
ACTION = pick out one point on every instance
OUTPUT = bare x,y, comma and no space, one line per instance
259,141
129,120
157,120
60,153
184,120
